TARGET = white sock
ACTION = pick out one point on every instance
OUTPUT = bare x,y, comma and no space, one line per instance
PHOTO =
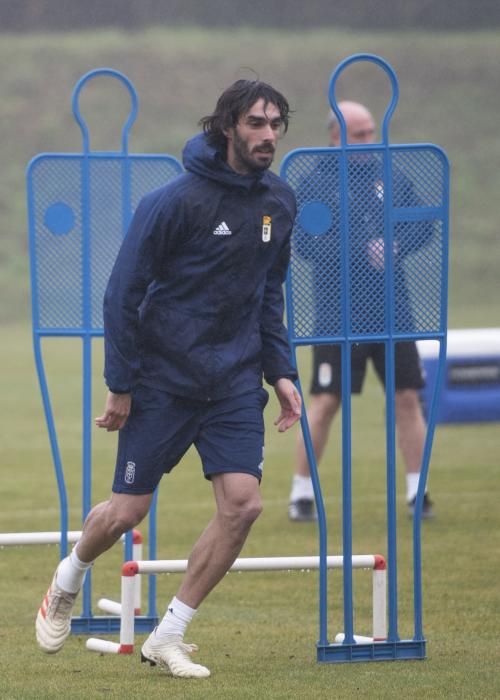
302,488
412,479
175,620
71,573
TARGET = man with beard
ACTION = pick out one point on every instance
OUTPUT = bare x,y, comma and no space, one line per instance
367,220
193,321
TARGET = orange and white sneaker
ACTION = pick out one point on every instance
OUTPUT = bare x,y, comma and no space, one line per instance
172,657
53,622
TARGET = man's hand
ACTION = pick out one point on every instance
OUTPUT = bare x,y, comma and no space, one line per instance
116,412
290,403
376,253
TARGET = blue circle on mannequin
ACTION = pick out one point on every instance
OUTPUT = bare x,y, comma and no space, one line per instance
59,219
315,218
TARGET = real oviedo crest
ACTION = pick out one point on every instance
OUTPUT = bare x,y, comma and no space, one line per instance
130,473
266,229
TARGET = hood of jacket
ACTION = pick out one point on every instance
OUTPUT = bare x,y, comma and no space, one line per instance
200,158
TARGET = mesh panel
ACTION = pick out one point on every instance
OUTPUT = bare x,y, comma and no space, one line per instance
365,203
57,258
349,217
315,262
418,283
150,172
424,168
106,228
70,273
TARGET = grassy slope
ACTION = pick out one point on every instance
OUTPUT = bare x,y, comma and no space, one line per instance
448,96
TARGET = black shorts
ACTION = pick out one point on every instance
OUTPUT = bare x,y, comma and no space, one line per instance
326,376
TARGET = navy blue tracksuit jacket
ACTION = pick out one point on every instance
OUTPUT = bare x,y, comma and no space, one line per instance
194,304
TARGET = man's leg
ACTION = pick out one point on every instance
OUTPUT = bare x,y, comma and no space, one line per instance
320,414
238,504
104,525
323,405
411,431
109,520
410,422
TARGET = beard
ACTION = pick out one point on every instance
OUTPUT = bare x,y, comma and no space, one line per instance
255,161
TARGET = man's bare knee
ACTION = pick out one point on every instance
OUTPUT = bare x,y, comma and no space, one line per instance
238,499
407,402
322,408
125,512
251,511
241,512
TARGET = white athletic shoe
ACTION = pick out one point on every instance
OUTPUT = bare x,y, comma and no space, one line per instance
53,622
172,657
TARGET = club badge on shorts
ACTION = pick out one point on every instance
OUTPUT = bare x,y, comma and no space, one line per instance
266,229
130,473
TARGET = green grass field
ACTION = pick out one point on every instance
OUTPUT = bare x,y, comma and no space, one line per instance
257,632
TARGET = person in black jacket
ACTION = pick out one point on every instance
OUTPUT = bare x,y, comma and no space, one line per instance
366,226
193,321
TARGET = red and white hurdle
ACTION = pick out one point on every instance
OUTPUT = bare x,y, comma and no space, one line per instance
16,539
132,570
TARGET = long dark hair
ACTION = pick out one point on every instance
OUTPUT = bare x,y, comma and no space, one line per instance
237,100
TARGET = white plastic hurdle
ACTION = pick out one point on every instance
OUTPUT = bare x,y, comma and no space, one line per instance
21,538
16,539
133,569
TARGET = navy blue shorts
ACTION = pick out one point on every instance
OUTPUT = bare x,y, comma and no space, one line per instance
228,435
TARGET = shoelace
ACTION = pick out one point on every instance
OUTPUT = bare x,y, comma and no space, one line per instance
60,603
182,649
180,656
